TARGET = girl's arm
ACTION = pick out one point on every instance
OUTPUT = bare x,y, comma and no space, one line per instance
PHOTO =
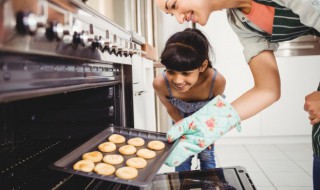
219,85
266,89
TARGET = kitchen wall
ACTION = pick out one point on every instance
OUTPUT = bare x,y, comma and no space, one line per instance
299,75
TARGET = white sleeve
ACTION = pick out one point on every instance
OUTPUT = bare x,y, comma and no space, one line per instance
253,43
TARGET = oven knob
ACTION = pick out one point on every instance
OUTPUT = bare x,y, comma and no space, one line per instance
114,45
96,42
76,38
80,38
54,30
106,43
125,50
120,48
133,49
26,23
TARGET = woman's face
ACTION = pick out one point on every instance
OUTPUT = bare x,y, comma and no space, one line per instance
197,11
182,81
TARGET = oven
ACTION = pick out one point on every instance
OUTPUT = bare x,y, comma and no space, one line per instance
65,75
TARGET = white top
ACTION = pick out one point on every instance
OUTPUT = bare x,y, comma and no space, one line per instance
254,43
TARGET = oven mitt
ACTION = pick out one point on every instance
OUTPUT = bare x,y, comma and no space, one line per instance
201,129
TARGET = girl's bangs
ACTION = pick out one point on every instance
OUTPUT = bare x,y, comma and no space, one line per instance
180,59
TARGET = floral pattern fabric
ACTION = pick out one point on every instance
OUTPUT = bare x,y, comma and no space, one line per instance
201,129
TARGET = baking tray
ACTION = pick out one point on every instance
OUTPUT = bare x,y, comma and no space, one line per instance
145,175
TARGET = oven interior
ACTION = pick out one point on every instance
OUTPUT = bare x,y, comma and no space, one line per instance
38,131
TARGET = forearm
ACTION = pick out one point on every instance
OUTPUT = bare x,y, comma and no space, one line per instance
266,89
175,115
253,101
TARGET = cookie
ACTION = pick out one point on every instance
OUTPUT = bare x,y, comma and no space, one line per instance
127,149
137,141
94,156
127,173
104,169
107,147
115,138
84,165
136,162
146,153
113,159
156,145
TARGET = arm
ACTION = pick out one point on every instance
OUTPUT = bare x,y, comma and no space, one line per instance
312,106
219,85
161,90
266,89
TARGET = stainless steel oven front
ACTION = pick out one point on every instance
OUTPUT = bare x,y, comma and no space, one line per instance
65,75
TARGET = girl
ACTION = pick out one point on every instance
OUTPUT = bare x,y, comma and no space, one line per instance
188,83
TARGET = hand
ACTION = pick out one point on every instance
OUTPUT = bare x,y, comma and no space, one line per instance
198,131
312,106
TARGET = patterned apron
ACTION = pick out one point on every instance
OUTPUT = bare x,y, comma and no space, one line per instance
316,137
286,24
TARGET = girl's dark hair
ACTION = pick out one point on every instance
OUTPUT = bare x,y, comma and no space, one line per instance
186,50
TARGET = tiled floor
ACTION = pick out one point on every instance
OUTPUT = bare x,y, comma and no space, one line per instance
271,166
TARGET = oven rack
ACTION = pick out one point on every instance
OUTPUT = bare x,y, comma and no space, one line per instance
26,163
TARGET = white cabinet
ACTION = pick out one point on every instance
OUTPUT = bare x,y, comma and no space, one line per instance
138,73
143,95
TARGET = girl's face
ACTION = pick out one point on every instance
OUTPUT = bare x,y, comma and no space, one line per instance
197,11
182,81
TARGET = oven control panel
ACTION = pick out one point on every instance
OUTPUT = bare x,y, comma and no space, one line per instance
64,29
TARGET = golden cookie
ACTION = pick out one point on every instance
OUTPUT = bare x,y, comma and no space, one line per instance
137,141
127,150
113,159
156,145
115,138
136,162
127,173
107,147
84,165
94,156
104,169
146,153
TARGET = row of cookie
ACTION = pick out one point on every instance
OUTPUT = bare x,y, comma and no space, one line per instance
127,172
136,141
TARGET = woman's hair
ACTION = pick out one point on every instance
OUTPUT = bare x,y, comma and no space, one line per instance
186,50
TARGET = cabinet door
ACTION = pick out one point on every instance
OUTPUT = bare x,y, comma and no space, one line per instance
138,73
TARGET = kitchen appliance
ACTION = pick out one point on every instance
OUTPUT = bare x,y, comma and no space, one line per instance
229,178
65,75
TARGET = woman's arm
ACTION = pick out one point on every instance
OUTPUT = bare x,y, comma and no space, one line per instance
266,89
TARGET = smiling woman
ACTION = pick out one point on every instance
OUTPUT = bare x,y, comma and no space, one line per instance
198,11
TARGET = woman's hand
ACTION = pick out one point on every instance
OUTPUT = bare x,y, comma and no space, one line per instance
312,106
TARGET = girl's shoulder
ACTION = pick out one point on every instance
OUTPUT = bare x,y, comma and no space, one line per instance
159,85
